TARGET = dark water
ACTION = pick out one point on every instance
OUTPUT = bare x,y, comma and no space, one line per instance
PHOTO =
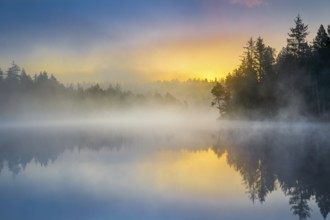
229,171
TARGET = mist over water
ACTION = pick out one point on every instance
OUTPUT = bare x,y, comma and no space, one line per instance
164,164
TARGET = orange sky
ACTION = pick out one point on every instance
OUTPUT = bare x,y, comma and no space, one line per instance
182,58
207,57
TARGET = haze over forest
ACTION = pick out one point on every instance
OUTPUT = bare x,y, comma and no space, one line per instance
265,85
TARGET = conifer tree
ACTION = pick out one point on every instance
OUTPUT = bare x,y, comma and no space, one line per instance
13,74
259,55
296,43
264,59
25,79
321,42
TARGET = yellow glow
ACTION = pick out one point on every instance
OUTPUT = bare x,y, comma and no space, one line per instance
205,57
200,172
66,66
199,58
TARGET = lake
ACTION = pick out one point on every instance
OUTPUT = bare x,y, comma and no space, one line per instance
135,170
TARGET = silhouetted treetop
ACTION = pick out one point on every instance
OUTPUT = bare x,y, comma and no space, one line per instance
296,43
322,40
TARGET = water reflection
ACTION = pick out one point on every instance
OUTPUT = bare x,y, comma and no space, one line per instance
293,158
197,173
174,164
18,147
22,145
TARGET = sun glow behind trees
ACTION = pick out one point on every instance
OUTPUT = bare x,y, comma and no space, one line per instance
120,40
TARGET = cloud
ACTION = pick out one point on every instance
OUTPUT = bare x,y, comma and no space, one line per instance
248,3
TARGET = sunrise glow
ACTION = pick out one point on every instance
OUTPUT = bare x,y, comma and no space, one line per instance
92,42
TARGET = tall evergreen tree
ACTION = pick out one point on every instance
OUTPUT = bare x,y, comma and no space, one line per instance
259,58
250,96
264,59
13,74
321,69
242,85
296,43
25,79
321,41
248,65
248,62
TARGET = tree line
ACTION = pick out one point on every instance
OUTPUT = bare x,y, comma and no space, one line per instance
296,81
22,95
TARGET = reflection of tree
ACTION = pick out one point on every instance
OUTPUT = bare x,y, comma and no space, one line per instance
43,145
21,147
323,201
295,160
299,198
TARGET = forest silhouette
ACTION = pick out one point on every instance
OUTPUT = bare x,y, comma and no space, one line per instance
43,95
294,83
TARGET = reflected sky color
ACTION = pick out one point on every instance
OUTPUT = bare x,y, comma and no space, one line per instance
102,172
129,185
197,173
143,40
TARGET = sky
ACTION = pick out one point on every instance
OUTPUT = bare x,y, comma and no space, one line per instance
144,40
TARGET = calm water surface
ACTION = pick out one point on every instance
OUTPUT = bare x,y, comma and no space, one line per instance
230,171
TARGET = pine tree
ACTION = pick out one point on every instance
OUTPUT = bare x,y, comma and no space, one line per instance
321,73
296,43
264,60
249,87
321,41
269,60
248,65
248,58
13,74
259,55
26,80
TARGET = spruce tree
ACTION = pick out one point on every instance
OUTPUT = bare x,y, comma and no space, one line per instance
296,43
259,55
13,74
264,60
321,41
26,80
